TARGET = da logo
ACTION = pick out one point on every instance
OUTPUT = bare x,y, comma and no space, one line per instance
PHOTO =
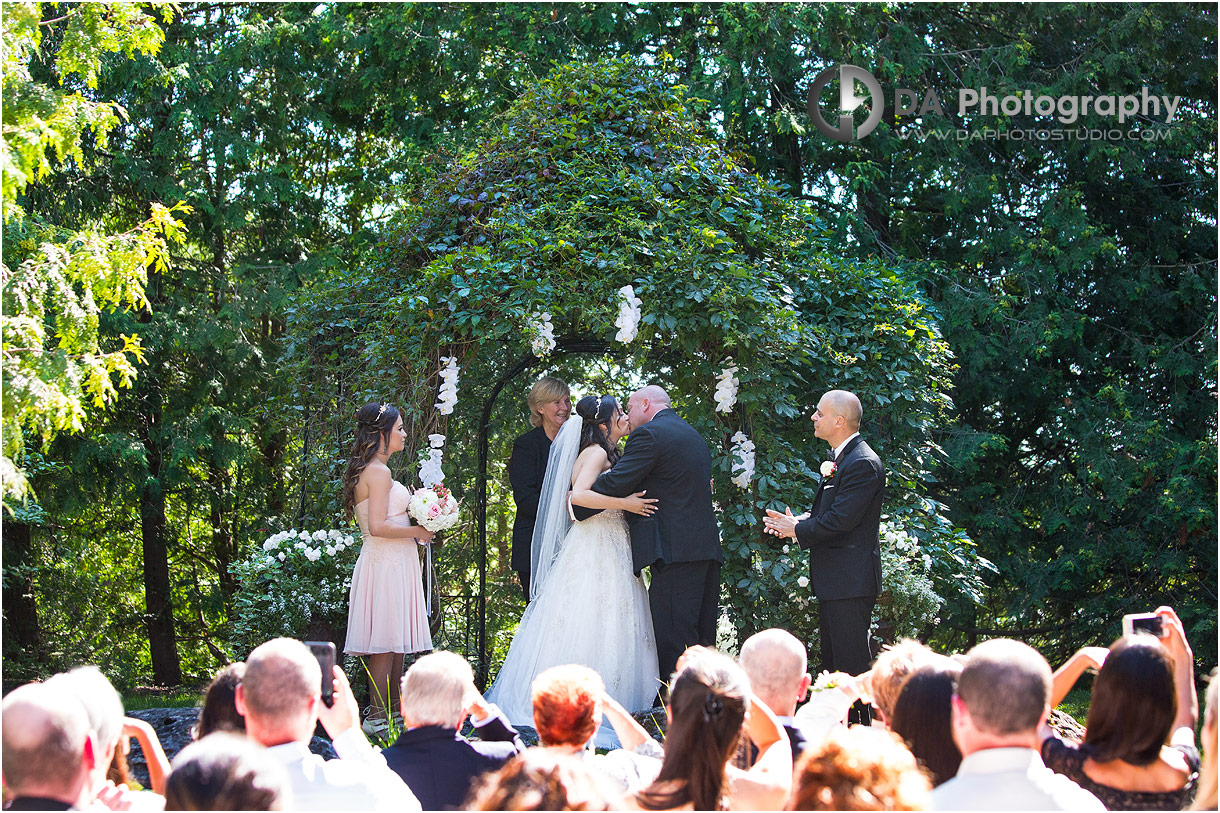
844,129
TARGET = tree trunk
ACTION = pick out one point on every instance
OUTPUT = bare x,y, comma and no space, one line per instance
223,548
20,605
158,603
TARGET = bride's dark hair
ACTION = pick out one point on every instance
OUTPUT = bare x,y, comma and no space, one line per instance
374,422
598,411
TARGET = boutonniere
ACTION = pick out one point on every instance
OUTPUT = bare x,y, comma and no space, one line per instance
829,467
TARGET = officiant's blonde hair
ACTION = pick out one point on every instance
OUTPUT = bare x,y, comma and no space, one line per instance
544,391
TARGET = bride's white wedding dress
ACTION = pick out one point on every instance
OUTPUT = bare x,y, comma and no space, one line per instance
590,610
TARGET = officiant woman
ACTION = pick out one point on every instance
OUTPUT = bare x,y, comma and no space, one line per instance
550,403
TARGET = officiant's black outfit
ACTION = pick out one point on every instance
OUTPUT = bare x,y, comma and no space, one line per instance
526,471
842,535
681,541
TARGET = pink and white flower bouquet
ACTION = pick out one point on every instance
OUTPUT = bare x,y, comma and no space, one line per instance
434,508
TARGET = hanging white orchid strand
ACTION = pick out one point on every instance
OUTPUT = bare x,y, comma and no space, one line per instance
628,321
743,463
544,335
430,473
447,398
726,389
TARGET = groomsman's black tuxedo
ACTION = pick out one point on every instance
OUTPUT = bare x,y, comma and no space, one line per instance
681,541
844,544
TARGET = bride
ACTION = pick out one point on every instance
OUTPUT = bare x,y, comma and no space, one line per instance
586,605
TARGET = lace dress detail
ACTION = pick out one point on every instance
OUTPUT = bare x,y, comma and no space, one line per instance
386,604
1067,759
593,611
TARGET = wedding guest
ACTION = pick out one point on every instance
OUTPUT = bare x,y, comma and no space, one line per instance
775,662
226,771
386,615
430,755
1002,700
569,702
218,712
708,704
1205,796
892,668
281,698
111,730
47,750
859,768
550,404
541,779
1143,698
923,716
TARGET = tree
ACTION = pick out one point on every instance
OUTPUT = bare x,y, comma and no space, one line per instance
66,273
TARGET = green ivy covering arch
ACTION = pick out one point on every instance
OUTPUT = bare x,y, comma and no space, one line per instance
601,176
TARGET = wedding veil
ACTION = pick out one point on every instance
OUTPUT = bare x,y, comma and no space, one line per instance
553,520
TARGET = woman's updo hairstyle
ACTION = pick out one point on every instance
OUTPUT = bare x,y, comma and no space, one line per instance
598,411
374,422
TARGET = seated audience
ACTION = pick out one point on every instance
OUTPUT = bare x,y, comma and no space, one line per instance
1205,797
922,717
1143,697
775,662
1002,700
540,779
430,755
859,768
892,668
225,771
708,704
111,733
280,697
218,712
47,749
568,703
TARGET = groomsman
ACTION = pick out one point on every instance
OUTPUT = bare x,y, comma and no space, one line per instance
842,535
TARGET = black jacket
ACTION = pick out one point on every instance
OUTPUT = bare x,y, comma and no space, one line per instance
842,532
669,460
526,468
439,764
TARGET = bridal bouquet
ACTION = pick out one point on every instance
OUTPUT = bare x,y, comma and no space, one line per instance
434,508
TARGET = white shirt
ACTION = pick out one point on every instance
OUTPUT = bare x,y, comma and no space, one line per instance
1010,779
357,780
839,448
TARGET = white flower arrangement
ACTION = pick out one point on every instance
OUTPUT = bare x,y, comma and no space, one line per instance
434,508
628,321
430,471
447,397
726,389
292,580
544,335
743,462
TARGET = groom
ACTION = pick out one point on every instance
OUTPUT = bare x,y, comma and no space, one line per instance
681,542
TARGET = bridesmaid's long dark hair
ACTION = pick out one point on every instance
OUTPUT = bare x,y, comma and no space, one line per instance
374,422
598,411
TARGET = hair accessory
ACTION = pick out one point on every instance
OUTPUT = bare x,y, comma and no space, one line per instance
597,412
381,411
712,706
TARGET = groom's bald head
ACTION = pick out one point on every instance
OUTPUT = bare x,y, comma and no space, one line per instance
646,402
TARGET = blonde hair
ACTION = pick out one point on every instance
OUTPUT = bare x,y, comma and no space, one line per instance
544,391
437,689
859,768
894,665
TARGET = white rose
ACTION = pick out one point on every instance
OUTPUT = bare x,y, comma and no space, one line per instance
281,556
803,581
785,548
827,468
330,551
304,536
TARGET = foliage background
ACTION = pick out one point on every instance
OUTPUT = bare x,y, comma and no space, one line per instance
1075,286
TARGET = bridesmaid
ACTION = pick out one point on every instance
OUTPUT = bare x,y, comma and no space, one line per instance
386,616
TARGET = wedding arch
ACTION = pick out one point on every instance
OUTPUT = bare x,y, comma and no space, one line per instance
602,216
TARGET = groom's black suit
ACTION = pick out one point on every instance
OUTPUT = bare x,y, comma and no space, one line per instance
681,542
843,540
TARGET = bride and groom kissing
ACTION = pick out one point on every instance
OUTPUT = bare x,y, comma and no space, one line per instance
603,516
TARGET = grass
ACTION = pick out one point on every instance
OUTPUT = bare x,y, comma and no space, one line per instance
1077,703
143,697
